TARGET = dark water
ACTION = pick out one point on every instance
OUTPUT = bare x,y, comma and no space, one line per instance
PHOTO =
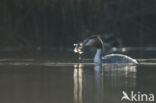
28,81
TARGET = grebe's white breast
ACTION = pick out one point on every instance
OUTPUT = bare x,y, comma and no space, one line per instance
118,58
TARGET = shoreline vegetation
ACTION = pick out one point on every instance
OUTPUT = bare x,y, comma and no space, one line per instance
64,22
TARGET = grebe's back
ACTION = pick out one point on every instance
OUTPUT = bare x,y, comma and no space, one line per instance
118,58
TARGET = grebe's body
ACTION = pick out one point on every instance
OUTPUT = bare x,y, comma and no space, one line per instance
118,58
96,42
113,58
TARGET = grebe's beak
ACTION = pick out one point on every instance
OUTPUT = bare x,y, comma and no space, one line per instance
79,46
87,42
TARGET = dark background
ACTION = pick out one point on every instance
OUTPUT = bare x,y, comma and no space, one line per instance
60,23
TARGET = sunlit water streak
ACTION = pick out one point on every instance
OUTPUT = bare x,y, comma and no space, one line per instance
51,64
27,62
78,83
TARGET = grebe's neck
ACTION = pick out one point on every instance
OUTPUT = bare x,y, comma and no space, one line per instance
98,56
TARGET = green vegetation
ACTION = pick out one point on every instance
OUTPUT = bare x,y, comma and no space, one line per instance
63,22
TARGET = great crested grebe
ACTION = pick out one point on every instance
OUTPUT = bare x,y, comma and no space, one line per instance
96,41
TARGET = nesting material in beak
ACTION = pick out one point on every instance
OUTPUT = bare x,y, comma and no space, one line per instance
78,48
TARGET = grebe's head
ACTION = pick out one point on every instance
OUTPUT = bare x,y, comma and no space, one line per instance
93,41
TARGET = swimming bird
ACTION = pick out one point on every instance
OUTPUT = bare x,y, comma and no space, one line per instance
96,42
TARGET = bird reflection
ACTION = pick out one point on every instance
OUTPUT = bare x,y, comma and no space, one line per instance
120,75
92,83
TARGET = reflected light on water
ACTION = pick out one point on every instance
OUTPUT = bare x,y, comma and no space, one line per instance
97,81
124,75
78,80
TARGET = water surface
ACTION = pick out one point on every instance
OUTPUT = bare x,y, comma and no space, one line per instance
50,81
